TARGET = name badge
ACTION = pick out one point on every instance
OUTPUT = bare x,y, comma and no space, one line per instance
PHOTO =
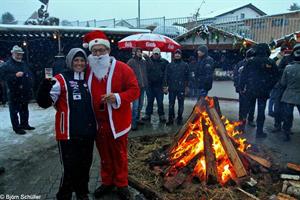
76,96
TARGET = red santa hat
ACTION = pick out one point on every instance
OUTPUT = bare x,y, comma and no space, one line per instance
95,37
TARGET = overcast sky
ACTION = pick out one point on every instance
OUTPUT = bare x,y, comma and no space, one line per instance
107,9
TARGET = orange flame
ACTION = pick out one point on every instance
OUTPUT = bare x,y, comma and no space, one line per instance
191,147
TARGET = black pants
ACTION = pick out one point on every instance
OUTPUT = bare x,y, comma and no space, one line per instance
152,94
20,108
76,157
246,109
278,107
261,106
288,116
180,99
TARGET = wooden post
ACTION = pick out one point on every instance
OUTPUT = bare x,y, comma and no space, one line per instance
210,158
226,142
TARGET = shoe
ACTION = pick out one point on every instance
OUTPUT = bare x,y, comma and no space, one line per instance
146,118
251,123
170,122
162,119
124,193
271,114
20,131
2,170
27,127
102,190
276,130
287,137
82,197
261,135
179,122
135,128
140,122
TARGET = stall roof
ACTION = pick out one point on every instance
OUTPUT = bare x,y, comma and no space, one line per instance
37,28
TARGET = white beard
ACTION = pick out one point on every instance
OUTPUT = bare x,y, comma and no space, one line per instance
99,65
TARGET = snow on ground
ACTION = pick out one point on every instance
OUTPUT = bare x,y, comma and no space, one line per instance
14,147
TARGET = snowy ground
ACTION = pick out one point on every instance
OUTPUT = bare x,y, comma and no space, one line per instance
15,148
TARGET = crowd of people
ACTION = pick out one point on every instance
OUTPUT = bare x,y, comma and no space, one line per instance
258,78
111,94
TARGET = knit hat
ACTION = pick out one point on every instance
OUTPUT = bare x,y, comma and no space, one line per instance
178,51
203,49
95,37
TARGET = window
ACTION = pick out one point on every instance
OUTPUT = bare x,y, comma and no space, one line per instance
242,15
280,22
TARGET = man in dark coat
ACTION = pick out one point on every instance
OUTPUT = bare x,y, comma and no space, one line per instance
18,79
204,71
177,79
140,69
244,112
156,66
257,79
291,97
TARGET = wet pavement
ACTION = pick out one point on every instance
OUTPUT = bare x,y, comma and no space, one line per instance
32,161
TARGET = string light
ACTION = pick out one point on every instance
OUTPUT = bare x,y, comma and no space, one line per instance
24,43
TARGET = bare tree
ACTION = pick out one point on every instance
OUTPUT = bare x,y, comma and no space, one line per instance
294,6
8,18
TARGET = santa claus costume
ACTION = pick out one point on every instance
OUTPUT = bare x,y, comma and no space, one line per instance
109,79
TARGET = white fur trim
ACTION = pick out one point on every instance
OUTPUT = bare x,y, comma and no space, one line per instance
99,41
118,103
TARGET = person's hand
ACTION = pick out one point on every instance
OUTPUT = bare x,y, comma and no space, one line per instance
19,74
145,55
47,84
109,98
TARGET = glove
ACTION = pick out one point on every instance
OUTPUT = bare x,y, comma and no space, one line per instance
44,99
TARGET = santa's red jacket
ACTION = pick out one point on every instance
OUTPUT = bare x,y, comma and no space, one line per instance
122,82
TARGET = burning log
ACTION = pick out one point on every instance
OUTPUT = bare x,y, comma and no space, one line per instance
194,115
226,142
293,166
210,158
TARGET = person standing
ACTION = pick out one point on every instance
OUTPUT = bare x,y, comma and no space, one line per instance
177,80
291,96
156,66
257,79
204,71
75,124
140,69
113,87
18,79
244,112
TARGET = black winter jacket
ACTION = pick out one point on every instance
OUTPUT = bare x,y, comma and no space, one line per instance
177,75
19,88
156,71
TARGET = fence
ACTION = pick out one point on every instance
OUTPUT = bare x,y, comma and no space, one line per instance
262,29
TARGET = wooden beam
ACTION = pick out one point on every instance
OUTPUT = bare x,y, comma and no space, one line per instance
260,160
146,190
210,158
293,166
226,142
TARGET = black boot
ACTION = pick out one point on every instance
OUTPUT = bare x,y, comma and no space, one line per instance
287,136
261,134
102,190
124,193
2,170
19,131
27,127
251,123
179,121
170,122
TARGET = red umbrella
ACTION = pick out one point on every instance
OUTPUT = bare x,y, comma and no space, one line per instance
148,41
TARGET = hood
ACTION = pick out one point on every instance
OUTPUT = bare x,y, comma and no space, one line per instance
262,50
71,55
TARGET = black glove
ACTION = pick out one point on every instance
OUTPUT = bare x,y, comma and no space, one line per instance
43,98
